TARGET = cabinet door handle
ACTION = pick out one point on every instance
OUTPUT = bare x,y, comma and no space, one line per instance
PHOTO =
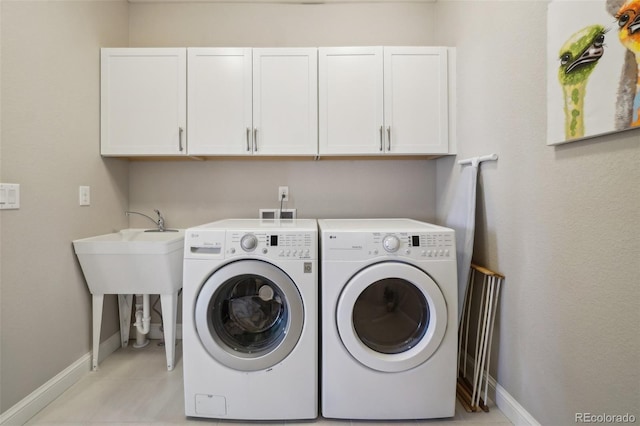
255,139
389,138
248,139
180,130
381,138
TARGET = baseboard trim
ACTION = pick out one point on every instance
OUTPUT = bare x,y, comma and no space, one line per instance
29,406
510,407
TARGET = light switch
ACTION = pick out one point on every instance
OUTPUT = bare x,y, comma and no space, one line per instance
9,196
84,194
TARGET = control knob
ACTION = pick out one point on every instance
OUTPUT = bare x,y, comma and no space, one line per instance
248,242
391,243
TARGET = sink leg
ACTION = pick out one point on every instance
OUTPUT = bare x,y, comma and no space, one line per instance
124,308
169,313
98,300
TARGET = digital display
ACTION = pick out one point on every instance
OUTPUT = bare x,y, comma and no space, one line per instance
273,240
415,241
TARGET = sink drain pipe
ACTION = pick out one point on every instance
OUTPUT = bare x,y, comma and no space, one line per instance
143,320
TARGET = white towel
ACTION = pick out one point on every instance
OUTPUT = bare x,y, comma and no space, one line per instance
462,218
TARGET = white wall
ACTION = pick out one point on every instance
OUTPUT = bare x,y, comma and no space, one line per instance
561,223
276,24
193,193
49,140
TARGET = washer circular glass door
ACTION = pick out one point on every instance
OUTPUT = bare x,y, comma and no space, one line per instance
391,316
249,315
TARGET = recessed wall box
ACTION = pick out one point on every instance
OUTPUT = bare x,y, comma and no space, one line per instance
268,213
287,214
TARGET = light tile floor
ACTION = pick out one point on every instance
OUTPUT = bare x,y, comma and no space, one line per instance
132,387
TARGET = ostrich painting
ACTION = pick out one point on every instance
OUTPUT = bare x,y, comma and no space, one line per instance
578,58
593,68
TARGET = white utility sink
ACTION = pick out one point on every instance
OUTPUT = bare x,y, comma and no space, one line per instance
128,262
132,261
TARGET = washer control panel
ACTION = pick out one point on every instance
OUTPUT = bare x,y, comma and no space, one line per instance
220,244
361,245
274,245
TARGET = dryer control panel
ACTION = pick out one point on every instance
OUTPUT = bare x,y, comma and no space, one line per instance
365,245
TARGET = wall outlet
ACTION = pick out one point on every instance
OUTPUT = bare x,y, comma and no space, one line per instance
283,193
84,195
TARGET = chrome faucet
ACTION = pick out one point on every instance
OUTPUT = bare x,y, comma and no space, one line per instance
159,222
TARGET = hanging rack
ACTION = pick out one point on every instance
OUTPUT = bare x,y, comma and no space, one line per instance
476,160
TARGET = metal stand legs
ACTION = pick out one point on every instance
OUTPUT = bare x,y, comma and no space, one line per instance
169,304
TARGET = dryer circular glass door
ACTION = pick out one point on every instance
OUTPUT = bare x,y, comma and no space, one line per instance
391,316
249,315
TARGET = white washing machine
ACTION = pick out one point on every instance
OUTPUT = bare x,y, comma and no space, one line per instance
389,319
250,339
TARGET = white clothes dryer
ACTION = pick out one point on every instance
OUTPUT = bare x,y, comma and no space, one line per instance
389,319
250,339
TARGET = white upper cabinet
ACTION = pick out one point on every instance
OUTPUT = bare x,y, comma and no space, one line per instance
220,101
252,101
277,101
351,111
384,100
143,102
416,100
285,101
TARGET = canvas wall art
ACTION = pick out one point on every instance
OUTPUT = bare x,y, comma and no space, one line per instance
593,68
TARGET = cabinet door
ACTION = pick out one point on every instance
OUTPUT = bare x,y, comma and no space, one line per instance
350,100
219,101
285,101
143,101
416,100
